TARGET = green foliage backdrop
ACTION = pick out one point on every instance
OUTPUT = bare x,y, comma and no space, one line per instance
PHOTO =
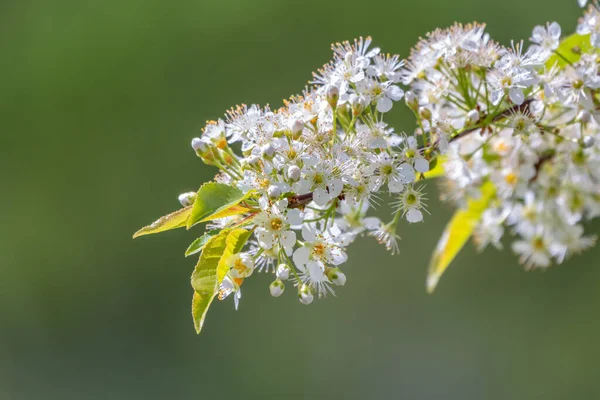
98,103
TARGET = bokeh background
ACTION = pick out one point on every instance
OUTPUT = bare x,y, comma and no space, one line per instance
98,103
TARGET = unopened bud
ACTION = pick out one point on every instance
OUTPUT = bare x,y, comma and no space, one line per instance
305,294
425,113
276,288
282,272
336,276
273,192
472,117
187,199
333,95
294,172
200,146
358,104
296,126
584,116
252,160
411,100
268,151
588,141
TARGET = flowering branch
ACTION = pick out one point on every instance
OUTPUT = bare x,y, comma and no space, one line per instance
296,184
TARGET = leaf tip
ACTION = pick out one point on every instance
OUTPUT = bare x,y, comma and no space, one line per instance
138,233
432,281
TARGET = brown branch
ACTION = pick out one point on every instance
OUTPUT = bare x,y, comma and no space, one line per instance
540,162
516,108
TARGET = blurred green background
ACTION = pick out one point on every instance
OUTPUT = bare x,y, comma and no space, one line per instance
98,103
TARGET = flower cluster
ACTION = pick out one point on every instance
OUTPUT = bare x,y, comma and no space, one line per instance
316,166
514,129
524,119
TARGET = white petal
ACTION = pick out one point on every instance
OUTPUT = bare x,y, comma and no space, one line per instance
412,142
265,239
421,165
407,172
335,187
294,217
307,234
538,34
321,197
395,185
315,271
554,30
516,96
358,77
338,256
414,215
394,93
288,238
371,223
384,104
301,257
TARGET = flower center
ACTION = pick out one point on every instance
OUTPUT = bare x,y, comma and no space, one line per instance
276,224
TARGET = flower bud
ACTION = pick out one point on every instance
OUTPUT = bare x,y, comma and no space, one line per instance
411,100
333,95
273,192
425,113
294,173
187,199
472,117
276,288
588,141
584,116
200,146
305,294
336,276
252,161
282,272
358,104
268,151
296,126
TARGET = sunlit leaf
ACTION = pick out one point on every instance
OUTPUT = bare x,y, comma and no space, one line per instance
457,233
571,49
174,220
211,269
197,245
236,239
216,200
204,278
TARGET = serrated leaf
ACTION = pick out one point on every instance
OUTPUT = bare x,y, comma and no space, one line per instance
457,233
197,245
570,48
204,278
212,268
174,220
216,200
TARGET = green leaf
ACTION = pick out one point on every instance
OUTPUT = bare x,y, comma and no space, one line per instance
457,233
236,239
437,168
204,278
571,49
217,200
174,220
211,269
197,245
